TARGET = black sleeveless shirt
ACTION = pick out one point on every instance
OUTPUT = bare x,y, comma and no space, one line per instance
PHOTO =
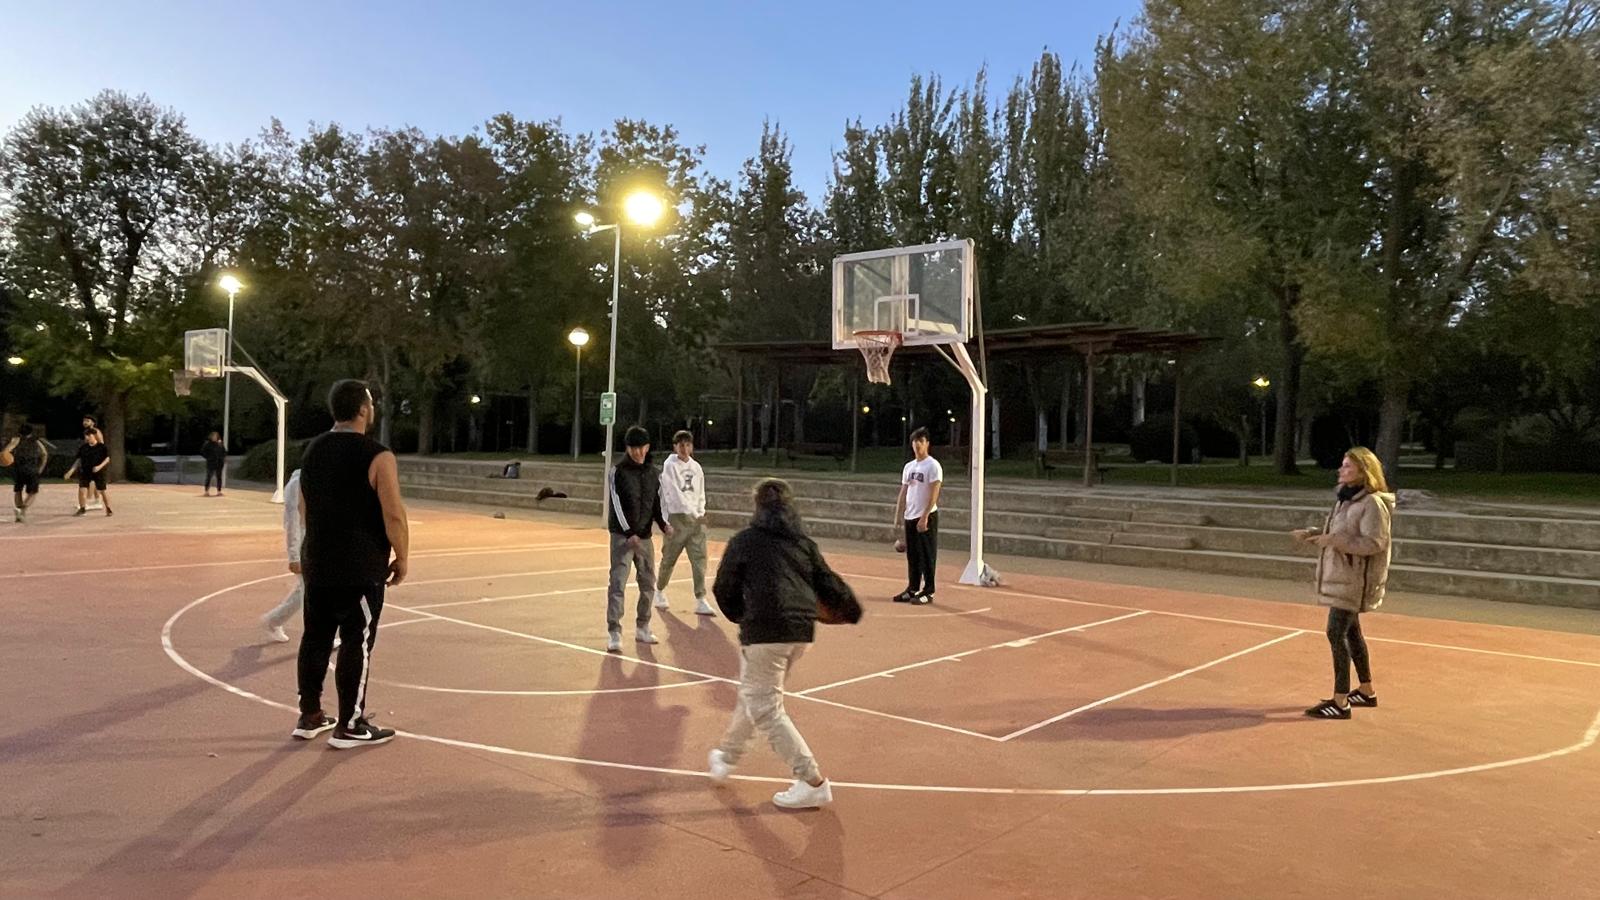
345,542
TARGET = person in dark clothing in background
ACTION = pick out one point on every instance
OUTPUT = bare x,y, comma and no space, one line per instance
635,511
355,520
90,470
216,457
774,582
28,460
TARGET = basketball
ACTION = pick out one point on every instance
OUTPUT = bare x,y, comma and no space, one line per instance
900,545
6,458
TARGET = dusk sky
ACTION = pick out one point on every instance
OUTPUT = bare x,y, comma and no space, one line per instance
714,70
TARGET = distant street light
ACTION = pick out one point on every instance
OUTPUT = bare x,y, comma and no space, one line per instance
1262,383
866,410
644,209
577,337
476,400
15,360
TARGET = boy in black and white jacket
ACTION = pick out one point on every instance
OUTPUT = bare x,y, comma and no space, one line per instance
683,499
635,511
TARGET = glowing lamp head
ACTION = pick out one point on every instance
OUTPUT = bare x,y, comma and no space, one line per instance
578,337
15,360
476,399
1262,382
643,208
230,284
585,219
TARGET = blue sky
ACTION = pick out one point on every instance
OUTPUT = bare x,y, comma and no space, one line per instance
713,69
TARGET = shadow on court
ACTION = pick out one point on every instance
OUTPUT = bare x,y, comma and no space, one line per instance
1126,723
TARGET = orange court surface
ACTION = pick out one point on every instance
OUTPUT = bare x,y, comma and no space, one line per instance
1063,735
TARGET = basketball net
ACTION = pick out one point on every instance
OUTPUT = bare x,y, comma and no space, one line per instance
878,347
182,380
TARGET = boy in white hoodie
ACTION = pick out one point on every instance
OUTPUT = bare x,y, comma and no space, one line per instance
294,532
683,499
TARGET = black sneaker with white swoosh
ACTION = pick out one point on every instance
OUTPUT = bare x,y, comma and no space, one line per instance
362,735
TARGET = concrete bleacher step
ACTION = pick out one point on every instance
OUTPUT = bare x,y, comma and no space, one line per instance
1434,552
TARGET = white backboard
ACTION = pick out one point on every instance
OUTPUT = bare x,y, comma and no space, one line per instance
924,292
203,351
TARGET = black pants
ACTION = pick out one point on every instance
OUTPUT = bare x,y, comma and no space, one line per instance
213,472
351,612
922,552
1344,634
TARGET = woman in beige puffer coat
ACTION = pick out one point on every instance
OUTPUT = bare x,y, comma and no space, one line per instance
1352,572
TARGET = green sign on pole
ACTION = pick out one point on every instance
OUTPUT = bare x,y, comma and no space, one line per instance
608,408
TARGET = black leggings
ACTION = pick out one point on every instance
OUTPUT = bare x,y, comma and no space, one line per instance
213,472
1344,633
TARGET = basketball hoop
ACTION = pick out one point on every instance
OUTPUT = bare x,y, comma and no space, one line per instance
878,348
182,380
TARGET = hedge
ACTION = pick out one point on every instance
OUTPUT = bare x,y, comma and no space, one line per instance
261,461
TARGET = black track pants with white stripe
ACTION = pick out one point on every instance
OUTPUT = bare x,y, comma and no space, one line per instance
351,612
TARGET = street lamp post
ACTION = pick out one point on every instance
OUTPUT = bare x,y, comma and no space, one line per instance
232,285
644,209
1262,384
578,338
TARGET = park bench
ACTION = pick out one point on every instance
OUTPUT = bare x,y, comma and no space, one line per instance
836,452
1071,461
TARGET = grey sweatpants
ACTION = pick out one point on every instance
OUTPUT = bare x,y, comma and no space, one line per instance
643,558
688,533
762,671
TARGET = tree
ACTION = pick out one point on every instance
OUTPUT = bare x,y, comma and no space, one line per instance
102,220
1471,116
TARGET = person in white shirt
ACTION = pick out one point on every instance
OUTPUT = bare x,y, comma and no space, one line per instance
294,533
683,499
917,513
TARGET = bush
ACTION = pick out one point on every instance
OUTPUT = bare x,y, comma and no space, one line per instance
1216,442
261,462
141,469
1522,456
1152,440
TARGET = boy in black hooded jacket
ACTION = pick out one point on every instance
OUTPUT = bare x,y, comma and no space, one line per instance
635,510
772,581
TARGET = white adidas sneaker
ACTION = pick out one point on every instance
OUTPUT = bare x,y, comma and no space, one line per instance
614,642
803,796
702,608
661,600
643,636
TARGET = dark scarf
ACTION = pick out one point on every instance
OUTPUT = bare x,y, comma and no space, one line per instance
1347,492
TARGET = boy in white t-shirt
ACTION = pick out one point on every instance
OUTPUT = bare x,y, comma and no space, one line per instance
917,511
683,499
294,535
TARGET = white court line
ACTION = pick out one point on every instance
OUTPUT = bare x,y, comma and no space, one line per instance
1146,686
493,693
701,675
1158,612
1554,659
402,622
1016,642
931,615
489,576
427,554
422,606
1588,740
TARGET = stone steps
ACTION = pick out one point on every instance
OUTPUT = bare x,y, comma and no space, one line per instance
1432,550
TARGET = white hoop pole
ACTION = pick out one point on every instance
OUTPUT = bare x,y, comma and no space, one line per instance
977,571
283,417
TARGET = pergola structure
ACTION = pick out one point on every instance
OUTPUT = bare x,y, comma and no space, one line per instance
1091,340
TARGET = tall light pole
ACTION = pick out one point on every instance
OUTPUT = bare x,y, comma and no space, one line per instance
232,285
578,338
644,209
1262,384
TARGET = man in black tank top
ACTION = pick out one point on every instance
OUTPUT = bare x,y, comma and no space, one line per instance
354,520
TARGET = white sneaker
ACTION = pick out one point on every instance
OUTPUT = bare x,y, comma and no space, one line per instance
719,767
275,632
614,642
803,796
643,636
702,608
17,512
661,600
96,504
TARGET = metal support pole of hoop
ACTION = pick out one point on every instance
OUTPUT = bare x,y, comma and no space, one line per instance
183,382
878,347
